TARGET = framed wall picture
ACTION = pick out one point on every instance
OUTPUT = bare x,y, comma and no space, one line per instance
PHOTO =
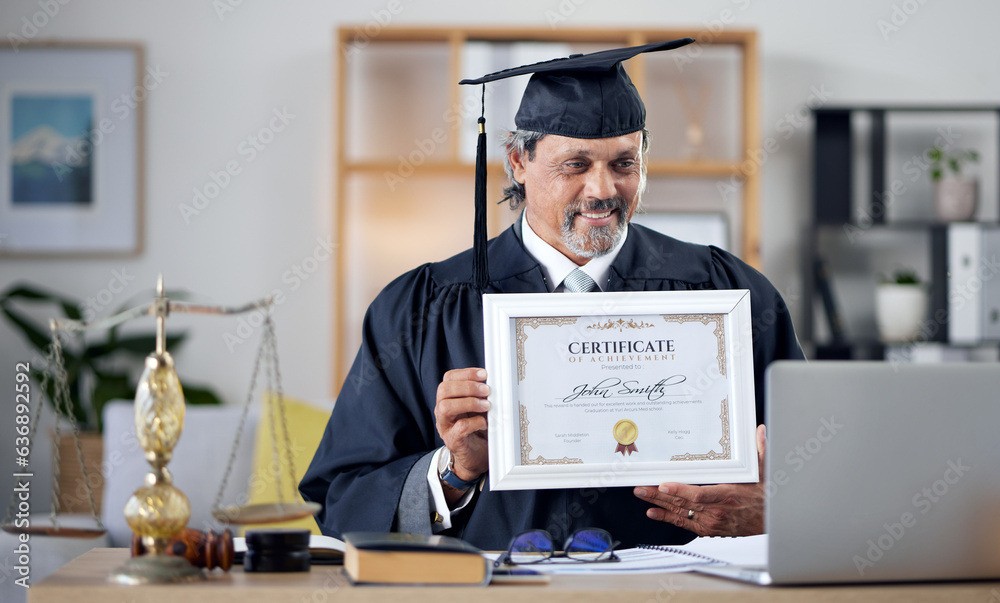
71,159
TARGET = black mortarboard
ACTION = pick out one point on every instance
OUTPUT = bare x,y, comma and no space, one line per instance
580,96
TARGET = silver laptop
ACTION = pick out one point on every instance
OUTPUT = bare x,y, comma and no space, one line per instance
880,472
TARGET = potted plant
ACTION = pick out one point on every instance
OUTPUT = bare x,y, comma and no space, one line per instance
97,371
900,306
955,194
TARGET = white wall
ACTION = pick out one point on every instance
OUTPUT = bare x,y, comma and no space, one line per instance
228,73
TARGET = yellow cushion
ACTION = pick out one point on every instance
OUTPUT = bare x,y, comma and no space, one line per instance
306,423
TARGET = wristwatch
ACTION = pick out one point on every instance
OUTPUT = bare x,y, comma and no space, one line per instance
446,472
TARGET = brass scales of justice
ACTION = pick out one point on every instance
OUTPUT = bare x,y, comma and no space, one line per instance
158,510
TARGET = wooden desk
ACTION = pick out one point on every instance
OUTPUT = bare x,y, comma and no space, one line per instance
83,581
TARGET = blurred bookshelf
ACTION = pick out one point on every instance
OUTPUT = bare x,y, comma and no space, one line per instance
874,214
406,134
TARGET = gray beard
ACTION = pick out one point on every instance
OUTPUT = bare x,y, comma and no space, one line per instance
597,240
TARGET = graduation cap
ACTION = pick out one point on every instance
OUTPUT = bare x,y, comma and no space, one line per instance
580,96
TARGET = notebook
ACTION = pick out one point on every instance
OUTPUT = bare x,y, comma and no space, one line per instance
648,558
880,472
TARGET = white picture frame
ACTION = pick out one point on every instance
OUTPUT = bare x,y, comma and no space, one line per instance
531,340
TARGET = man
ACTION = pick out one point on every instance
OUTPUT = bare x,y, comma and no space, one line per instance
406,449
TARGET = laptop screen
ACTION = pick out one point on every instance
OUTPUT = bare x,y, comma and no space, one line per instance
878,471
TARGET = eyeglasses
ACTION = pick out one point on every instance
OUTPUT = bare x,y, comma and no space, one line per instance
535,546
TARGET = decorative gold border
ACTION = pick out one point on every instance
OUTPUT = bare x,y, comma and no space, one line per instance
534,322
526,447
621,324
711,455
720,331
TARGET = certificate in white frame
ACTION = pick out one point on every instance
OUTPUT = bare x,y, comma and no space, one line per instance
620,389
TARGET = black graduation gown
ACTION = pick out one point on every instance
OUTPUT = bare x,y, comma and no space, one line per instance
429,321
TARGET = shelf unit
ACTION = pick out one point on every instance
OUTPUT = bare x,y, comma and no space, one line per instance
396,90
860,180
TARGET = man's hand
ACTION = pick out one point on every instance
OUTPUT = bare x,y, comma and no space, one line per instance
720,510
460,413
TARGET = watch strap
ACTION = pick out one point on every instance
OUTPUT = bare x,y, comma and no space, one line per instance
449,477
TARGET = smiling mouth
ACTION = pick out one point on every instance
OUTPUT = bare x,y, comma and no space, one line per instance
597,215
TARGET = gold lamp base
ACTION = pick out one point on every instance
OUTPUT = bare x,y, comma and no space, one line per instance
156,569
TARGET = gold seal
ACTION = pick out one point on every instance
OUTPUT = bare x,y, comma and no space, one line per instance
625,432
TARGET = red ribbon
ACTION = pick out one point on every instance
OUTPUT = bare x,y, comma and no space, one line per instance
623,448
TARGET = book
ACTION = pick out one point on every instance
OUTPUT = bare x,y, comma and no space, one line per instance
323,550
395,558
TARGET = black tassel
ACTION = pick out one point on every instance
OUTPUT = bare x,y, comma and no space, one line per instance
480,268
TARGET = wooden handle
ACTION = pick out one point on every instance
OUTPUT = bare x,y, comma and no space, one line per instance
202,549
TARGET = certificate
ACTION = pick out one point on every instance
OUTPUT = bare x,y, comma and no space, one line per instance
620,389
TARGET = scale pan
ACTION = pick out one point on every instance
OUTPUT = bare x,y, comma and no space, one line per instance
51,530
266,513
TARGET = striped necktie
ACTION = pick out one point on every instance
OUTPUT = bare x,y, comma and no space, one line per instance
579,281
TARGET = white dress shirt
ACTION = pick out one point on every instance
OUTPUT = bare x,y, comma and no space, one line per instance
555,266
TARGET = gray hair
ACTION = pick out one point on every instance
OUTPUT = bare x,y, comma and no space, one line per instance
523,143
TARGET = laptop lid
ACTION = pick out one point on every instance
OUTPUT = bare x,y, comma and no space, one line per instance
878,471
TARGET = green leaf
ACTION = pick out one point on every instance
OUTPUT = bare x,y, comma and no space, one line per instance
200,395
70,307
36,336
